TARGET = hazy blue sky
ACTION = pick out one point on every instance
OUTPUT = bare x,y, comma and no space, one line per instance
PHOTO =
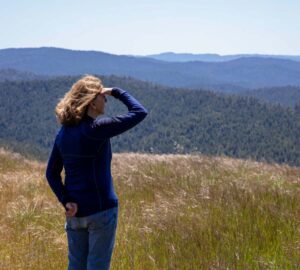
153,26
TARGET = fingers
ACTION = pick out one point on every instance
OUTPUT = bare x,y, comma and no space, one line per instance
72,209
107,90
70,213
71,205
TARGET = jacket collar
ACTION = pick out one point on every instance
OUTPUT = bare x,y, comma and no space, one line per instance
88,118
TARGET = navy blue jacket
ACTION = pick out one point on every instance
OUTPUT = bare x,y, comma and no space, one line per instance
84,151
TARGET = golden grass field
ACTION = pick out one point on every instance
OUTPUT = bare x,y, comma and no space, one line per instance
176,212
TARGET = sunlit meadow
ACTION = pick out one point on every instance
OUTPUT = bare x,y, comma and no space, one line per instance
176,212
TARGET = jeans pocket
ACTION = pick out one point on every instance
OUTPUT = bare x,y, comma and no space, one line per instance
105,219
71,223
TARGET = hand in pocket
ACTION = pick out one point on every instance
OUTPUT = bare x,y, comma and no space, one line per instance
72,209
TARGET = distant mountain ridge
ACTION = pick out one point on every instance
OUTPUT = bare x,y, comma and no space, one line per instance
253,72
287,96
211,57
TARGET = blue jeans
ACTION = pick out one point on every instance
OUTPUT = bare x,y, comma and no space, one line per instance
91,240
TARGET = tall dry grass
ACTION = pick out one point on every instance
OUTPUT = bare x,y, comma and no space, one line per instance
176,212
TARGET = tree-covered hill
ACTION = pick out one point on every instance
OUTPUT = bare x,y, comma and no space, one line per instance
179,121
10,74
287,96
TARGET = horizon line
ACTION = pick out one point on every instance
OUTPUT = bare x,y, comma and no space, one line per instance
164,52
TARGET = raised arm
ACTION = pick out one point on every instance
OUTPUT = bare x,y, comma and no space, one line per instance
107,127
53,175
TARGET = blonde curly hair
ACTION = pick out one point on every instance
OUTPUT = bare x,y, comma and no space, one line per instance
72,107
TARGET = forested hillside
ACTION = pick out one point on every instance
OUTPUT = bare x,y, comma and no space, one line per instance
9,74
179,121
287,96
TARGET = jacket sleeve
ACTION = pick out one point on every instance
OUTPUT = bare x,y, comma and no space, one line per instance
53,175
107,127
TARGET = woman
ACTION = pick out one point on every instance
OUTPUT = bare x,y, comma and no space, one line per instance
82,147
